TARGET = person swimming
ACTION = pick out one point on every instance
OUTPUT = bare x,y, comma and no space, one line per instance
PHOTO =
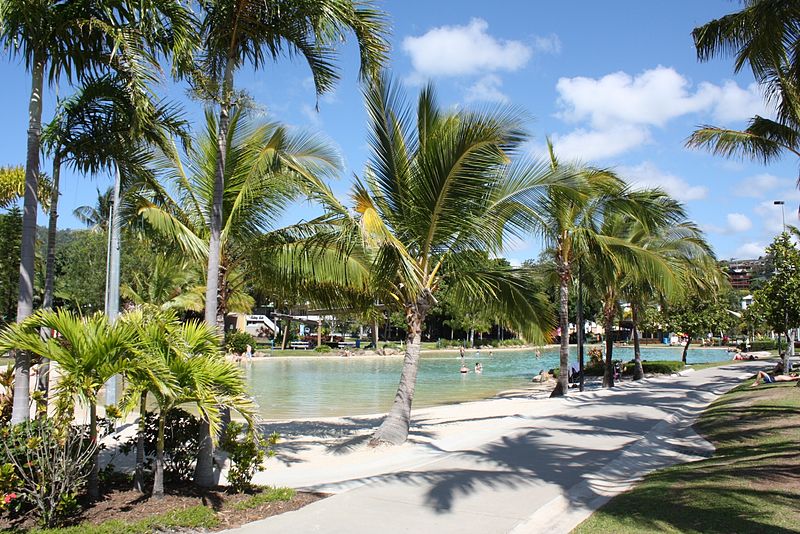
478,367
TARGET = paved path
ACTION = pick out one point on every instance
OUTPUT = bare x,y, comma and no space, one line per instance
543,468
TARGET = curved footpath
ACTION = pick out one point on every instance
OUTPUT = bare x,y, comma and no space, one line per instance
502,465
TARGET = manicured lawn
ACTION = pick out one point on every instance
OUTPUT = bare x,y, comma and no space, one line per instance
751,484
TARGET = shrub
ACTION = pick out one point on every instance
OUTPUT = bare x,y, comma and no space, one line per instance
236,342
181,430
761,344
322,348
50,464
246,452
394,346
656,367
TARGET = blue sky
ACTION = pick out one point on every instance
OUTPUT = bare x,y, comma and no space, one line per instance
615,84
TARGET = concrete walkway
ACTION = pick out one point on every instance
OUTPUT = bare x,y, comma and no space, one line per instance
542,466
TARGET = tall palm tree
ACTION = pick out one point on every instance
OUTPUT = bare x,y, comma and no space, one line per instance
235,32
88,352
268,165
196,373
438,194
79,39
98,216
685,247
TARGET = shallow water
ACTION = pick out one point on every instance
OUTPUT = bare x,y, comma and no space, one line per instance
288,388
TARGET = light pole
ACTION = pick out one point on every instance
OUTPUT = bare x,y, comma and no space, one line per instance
789,339
783,213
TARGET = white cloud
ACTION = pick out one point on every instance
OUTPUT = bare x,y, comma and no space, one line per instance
757,186
750,250
771,216
550,44
650,99
464,50
738,222
486,89
648,175
598,144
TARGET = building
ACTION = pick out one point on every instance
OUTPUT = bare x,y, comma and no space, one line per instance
741,273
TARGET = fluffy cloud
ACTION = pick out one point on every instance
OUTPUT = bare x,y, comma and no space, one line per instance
464,50
648,175
547,45
486,89
772,217
750,250
619,101
596,144
738,222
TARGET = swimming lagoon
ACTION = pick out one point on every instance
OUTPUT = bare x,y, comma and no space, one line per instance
290,388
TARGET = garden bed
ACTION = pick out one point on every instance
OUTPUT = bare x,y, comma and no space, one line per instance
185,508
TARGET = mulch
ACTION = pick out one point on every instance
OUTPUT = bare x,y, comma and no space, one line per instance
127,505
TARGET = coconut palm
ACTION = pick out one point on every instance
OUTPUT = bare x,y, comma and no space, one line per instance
196,374
239,31
64,38
685,247
764,35
88,352
438,194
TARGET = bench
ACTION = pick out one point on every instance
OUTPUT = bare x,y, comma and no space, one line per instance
298,345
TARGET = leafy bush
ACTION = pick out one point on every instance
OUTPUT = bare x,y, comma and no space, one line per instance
51,465
246,452
6,394
513,342
761,344
322,348
236,342
394,346
656,367
181,431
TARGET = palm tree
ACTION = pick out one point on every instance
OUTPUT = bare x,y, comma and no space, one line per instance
438,195
96,217
240,31
268,165
88,352
196,373
57,38
765,35
684,246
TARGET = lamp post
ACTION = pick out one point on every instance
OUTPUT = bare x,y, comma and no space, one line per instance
789,339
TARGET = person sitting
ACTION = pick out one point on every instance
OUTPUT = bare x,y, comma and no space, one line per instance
478,367
767,378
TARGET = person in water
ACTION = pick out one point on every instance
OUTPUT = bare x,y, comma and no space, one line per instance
464,369
478,367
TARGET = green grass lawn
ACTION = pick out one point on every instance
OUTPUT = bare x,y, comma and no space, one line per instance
751,484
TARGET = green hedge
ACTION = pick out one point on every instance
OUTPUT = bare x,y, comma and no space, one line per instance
657,367
322,348
762,344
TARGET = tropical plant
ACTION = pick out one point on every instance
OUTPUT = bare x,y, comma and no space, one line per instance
235,32
246,453
697,312
79,40
438,194
88,350
10,239
96,218
195,372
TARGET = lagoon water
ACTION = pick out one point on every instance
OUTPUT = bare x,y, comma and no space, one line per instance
287,388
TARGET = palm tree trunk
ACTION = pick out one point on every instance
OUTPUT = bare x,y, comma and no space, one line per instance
608,374
286,334
204,469
93,484
394,429
138,476
158,479
21,410
638,371
50,267
562,386
375,335
789,351
686,347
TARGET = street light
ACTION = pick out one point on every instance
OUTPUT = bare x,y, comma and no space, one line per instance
783,214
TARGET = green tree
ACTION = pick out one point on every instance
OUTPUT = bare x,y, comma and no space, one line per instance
196,373
88,350
78,39
10,238
779,299
697,313
438,194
